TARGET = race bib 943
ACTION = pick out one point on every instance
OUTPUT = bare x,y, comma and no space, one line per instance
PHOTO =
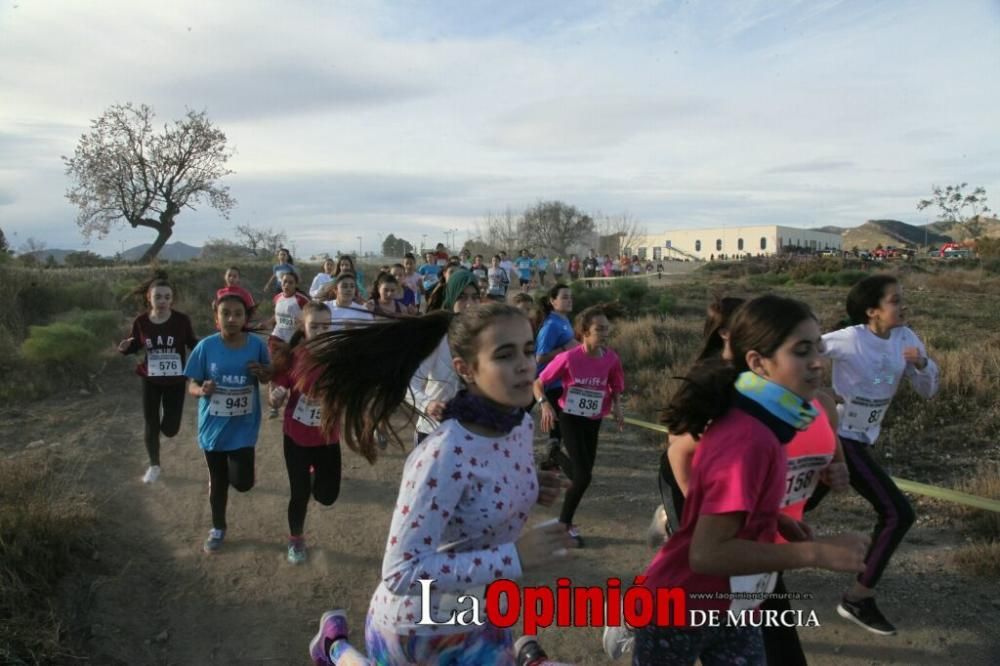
228,401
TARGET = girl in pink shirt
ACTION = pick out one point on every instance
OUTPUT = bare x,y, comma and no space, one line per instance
592,383
747,408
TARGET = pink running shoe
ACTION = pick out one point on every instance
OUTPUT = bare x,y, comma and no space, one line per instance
332,627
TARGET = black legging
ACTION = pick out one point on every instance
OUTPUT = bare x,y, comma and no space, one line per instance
553,395
580,440
670,495
781,643
895,514
324,485
171,397
227,468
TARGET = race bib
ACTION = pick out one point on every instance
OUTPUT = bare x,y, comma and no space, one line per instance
163,364
284,321
227,401
862,414
584,402
803,475
749,591
308,413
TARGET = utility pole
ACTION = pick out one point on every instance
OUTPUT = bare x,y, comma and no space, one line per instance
359,247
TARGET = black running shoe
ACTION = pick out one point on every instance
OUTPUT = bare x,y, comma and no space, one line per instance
866,614
528,651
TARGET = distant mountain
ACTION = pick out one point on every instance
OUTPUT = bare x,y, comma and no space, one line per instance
891,232
989,227
171,252
831,230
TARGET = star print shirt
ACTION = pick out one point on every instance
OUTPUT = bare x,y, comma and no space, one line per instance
867,370
462,504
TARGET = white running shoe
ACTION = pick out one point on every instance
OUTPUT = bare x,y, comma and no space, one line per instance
618,640
152,474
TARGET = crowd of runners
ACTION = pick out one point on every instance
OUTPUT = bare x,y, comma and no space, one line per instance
756,439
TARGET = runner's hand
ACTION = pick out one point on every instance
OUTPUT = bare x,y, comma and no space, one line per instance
207,388
843,552
913,356
261,372
550,485
542,545
836,476
277,396
435,409
548,417
125,344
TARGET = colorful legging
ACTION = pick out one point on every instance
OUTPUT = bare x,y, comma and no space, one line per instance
714,646
894,514
484,646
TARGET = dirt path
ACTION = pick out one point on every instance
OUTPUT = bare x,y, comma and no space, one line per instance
155,598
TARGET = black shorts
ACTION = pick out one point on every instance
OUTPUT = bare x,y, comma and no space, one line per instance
523,281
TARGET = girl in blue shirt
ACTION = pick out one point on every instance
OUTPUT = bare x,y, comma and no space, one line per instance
554,337
225,370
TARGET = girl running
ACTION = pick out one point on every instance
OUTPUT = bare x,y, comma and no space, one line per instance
232,278
554,337
435,382
165,336
814,455
592,382
464,529
344,309
870,359
284,264
406,296
384,297
225,370
322,279
286,320
312,457
498,279
744,411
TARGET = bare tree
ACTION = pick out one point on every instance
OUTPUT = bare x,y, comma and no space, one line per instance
125,172
501,231
259,241
618,233
32,246
555,226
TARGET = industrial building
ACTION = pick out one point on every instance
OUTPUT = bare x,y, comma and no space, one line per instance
731,242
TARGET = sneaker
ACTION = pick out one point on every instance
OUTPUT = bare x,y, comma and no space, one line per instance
381,440
529,651
273,414
574,534
214,541
296,551
152,474
865,613
332,627
618,640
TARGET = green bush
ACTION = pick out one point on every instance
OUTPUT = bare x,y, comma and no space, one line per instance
105,325
667,303
61,343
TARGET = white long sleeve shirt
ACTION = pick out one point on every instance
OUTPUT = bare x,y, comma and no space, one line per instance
319,284
462,504
867,371
435,379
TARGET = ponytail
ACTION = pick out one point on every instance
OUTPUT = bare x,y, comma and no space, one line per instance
362,374
141,293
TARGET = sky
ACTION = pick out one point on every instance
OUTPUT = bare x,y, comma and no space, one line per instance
414,118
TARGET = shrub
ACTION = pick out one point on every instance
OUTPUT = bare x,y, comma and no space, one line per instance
42,527
105,325
67,351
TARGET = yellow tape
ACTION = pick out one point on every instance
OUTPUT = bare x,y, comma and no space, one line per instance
924,489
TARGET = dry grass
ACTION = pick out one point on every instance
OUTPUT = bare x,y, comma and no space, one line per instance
43,530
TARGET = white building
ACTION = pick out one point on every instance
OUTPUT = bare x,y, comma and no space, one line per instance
730,242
